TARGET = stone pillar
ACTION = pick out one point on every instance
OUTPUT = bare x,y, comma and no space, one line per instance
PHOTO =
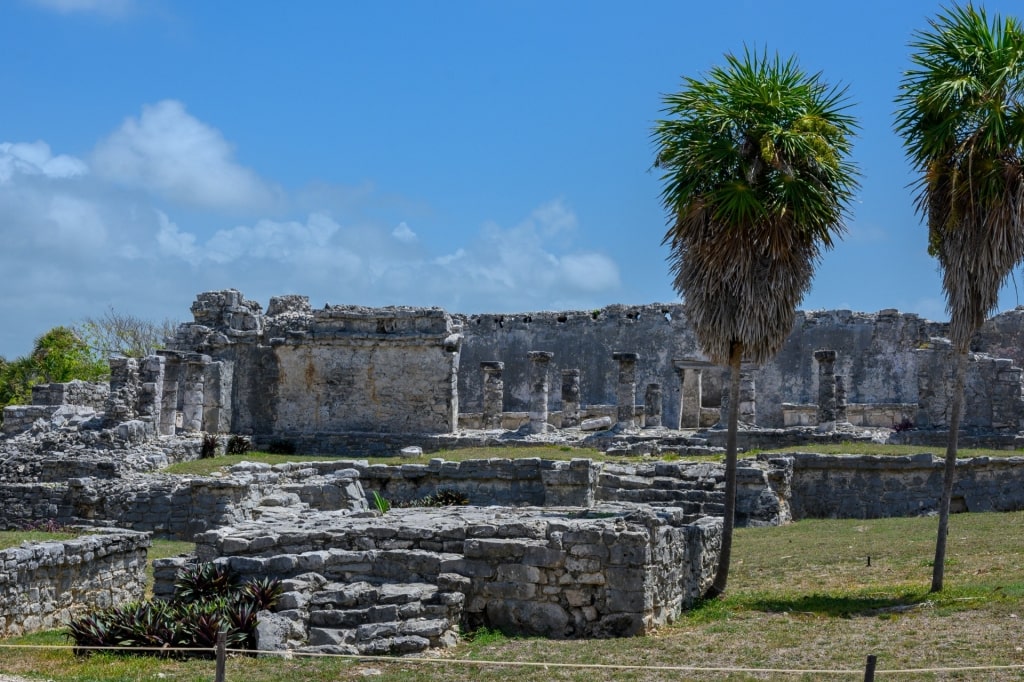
748,396
570,398
494,393
218,378
170,412
192,400
841,416
151,393
122,401
652,406
748,399
690,390
539,360
826,389
626,390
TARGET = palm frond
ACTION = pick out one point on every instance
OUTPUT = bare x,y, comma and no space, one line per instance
756,183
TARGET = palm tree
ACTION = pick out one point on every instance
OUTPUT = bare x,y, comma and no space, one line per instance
757,182
960,115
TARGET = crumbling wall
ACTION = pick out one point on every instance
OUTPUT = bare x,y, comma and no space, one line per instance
993,397
45,584
868,487
875,354
297,373
616,570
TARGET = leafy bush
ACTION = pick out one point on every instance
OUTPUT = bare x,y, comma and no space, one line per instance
208,599
237,445
208,450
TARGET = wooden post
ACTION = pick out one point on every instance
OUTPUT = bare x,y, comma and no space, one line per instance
869,671
222,654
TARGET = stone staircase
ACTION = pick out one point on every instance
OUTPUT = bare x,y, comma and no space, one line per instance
383,619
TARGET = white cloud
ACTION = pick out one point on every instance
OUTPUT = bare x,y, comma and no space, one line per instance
403,234
78,238
35,158
168,151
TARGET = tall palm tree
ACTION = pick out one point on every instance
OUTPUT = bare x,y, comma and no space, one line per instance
757,182
961,118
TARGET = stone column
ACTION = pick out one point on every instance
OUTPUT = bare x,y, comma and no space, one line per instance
539,360
494,393
570,398
626,390
170,414
151,393
192,401
690,390
841,416
652,406
748,413
748,398
826,389
122,401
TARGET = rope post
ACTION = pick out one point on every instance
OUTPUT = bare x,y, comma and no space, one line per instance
222,654
869,671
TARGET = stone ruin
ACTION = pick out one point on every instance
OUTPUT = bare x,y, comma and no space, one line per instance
572,549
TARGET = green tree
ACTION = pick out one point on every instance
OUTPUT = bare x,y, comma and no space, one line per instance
756,184
57,356
960,115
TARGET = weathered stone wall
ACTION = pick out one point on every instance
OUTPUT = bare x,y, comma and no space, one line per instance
992,390
696,488
583,340
865,486
174,506
67,403
298,373
43,585
611,571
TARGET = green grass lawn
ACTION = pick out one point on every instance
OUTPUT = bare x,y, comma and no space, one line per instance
801,596
205,467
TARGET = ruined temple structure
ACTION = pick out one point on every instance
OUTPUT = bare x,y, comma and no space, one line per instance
331,379
303,375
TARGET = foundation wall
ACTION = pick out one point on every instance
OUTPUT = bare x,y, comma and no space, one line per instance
45,584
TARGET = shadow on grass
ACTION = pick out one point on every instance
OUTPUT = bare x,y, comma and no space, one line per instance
839,606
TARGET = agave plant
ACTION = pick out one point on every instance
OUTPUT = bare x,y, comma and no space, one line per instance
262,592
197,582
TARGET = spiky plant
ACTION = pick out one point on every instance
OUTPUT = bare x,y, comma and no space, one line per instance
960,115
756,184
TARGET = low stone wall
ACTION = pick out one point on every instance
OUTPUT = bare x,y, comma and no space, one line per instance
175,506
865,486
614,570
697,488
880,415
43,585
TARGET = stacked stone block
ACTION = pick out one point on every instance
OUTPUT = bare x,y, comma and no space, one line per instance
43,585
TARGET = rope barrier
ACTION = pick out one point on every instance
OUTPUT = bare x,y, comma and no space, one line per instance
524,664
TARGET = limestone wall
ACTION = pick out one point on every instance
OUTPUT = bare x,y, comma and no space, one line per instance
44,584
864,487
174,506
296,373
612,571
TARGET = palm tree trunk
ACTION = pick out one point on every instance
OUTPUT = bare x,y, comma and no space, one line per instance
955,412
729,515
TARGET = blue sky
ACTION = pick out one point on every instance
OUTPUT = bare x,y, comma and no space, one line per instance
479,156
